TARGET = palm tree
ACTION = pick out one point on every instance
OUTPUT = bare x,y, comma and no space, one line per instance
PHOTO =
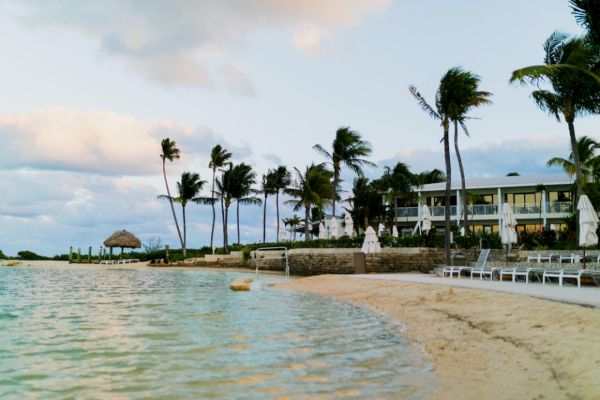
366,201
267,188
426,177
445,98
313,188
466,97
282,178
587,14
590,162
188,190
570,94
219,157
243,177
293,222
170,152
541,188
398,182
347,150
224,185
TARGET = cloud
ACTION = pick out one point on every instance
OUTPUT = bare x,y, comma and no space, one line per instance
98,142
179,42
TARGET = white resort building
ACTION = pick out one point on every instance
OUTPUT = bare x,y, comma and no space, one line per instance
537,201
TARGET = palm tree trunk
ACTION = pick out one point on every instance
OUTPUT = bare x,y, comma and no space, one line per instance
578,174
212,229
448,188
463,191
171,203
335,185
226,236
395,212
277,211
238,221
265,220
306,216
224,225
183,248
366,218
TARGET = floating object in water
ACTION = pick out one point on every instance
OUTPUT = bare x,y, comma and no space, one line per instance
240,285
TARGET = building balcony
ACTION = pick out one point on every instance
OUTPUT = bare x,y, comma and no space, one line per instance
491,211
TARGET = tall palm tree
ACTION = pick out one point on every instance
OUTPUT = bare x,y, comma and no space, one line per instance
170,152
366,201
243,177
587,14
569,94
348,150
293,222
398,182
444,100
282,178
188,189
219,157
590,162
267,187
311,188
433,176
466,96
224,185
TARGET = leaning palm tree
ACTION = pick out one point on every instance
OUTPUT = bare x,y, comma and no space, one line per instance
590,162
170,152
219,157
267,188
348,150
243,177
569,94
467,96
311,188
188,189
282,178
444,100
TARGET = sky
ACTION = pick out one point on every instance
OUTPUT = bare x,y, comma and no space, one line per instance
88,90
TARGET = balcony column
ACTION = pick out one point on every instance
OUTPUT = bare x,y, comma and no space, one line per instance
500,205
544,210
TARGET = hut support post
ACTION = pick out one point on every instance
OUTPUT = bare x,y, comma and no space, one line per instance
121,255
110,254
167,253
90,255
70,254
78,255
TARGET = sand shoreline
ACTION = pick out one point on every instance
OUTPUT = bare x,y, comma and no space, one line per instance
484,344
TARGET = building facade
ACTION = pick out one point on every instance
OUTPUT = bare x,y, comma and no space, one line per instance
537,200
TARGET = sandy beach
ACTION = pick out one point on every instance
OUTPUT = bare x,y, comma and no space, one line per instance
484,344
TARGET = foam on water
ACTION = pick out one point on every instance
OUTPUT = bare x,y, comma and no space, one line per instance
97,333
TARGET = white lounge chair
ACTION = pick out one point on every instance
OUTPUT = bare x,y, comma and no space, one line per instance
452,269
540,258
521,270
484,271
572,273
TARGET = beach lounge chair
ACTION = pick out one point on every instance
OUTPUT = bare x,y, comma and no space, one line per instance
572,273
485,270
525,270
540,257
481,260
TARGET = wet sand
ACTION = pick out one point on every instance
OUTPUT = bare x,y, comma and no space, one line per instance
484,344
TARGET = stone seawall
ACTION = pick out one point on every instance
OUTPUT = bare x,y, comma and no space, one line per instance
306,262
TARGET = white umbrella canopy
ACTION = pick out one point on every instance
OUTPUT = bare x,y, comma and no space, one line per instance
395,231
380,229
508,232
322,232
281,236
425,220
333,228
349,228
371,243
588,222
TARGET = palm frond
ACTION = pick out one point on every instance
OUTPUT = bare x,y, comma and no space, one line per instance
423,103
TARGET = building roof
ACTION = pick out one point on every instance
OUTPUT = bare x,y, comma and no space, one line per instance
501,182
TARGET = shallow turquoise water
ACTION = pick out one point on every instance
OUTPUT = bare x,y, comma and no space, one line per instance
150,334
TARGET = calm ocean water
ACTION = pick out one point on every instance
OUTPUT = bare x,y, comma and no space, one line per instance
154,334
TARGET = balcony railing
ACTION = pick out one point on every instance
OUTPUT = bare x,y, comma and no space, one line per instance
490,209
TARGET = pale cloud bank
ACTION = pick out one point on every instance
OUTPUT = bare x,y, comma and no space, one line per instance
179,42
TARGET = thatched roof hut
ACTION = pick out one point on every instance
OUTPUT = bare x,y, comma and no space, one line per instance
123,239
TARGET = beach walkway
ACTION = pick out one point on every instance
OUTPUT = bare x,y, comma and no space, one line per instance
588,296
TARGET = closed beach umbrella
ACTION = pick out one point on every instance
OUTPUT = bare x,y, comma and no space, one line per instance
281,234
123,239
380,229
333,228
588,224
395,231
425,220
371,244
508,233
322,232
349,228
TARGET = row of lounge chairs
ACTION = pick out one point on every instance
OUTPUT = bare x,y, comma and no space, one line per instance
528,271
123,261
562,257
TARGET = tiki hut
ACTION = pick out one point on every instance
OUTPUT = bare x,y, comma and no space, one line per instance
122,239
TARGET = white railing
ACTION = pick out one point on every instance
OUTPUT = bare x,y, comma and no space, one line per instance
272,253
559,207
407,212
490,209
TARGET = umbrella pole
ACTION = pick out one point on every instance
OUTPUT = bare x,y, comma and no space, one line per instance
506,256
583,257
